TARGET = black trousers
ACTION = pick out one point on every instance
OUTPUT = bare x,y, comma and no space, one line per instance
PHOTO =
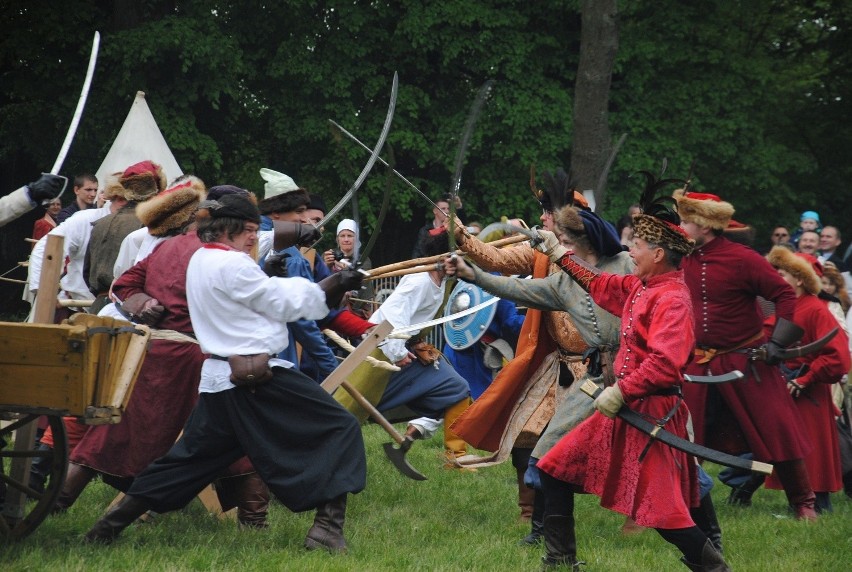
304,445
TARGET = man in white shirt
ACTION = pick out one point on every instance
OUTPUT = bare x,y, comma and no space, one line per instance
304,445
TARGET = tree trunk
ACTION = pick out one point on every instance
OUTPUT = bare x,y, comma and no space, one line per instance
591,141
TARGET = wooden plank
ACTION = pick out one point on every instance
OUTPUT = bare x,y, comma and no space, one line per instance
353,360
48,285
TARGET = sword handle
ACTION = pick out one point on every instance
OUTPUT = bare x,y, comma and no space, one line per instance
590,388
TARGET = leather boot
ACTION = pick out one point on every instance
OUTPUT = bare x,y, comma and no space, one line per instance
116,519
711,561
741,495
794,478
704,516
526,496
536,520
76,480
560,543
40,470
823,503
252,497
454,445
327,530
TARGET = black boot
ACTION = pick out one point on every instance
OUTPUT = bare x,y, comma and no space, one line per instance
536,520
40,470
823,503
741,495
116,519
704,516
327,530
76,480
560,543
252,501
711,561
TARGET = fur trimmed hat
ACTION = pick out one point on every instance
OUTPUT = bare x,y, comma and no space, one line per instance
172,209
663,233
142,181
802,266
703,209
112,187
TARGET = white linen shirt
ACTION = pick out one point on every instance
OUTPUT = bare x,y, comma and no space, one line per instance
236,309
415,299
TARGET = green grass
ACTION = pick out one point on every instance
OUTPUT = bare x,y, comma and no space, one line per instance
453,521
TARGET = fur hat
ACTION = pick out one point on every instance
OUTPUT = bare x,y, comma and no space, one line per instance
802,266
703,209
173,208
142,181
112,187
663,233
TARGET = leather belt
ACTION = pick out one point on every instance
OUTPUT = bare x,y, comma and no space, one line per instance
707,354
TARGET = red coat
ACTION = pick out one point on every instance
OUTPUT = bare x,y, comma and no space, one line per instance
167,387
814,403
602,454
756,413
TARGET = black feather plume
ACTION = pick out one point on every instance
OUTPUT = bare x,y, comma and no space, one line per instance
663,207
558,189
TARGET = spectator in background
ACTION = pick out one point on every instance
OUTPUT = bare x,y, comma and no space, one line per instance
474,227
829,242
780,235
834,285
440,212
808,221
808,242
85,191
48,222
625,225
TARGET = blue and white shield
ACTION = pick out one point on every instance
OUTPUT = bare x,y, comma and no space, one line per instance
463,332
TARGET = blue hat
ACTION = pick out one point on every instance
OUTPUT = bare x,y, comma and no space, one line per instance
810,214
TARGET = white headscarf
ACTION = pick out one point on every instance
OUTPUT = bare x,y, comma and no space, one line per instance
352,226
276,183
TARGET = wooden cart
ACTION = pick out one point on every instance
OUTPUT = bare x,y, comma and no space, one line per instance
84,368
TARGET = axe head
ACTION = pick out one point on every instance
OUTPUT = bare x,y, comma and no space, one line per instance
397,457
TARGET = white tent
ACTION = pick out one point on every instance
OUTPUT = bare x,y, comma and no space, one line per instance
139,140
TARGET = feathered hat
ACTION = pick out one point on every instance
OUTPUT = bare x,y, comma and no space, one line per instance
142,181
659,222
802,266
559,191
172,209
703,209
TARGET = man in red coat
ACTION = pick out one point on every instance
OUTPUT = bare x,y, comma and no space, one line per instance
810,377
645,480
756,413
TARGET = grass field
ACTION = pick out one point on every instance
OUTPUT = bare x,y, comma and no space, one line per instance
453,521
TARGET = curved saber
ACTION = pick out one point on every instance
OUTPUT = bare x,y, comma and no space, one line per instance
81,103
373,158
436,321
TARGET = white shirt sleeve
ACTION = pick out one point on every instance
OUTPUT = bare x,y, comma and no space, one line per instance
14,205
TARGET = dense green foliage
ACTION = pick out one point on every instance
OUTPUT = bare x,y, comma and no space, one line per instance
451,522
755,93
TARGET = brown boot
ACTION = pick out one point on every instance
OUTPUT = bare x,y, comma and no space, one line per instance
252,497
327,530
76,480
526,496
711,561
794,478
454,445
116,519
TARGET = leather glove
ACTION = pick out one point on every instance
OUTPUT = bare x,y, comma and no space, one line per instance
338,284
275,265
609,401
289,234
550,245
795,388
784,334
143,309
46,187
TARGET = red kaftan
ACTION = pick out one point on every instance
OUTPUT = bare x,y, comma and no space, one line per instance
757,415
602,454
815,405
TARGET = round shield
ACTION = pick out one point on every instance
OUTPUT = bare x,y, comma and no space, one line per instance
463,332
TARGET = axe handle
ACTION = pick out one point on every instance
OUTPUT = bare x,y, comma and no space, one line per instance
374,413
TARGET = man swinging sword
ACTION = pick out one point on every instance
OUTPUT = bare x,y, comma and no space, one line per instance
605,456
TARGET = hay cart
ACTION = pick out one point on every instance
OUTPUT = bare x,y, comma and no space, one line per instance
84,368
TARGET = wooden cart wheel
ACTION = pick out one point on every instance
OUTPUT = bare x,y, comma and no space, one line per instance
18,522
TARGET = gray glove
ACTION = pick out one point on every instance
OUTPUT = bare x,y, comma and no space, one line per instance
338,284
46,187
289,234
550,245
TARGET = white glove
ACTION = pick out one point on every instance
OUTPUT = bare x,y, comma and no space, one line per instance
609,401
550,245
